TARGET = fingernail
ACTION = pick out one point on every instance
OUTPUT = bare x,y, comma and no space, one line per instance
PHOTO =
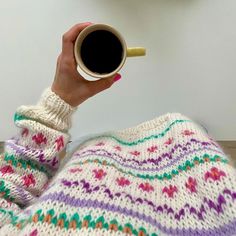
117,77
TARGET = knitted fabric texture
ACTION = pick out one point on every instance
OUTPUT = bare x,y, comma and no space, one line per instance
162,177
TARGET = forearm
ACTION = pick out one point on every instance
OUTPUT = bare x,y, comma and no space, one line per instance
31,157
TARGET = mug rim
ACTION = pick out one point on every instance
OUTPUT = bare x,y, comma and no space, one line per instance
81,37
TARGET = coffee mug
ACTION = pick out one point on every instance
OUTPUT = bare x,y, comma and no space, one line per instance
101,51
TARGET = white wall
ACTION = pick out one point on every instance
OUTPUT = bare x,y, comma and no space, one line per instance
190,63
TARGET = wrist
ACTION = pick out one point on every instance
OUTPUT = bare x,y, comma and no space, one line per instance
60,94
50,110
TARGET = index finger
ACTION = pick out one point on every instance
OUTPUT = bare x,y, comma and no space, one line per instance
70,36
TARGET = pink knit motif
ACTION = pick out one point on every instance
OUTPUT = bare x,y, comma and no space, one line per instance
39,139
152,149
100,144
191,184
122,181
6,170
118,148
34,233
169,141
214,174
75,170
187,132
146,187
135,153
170,190
28,180
99,174
60,143
25,132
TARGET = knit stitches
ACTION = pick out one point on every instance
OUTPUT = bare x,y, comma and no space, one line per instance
163,177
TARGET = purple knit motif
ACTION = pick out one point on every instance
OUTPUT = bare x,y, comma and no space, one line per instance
115,157
36,153
24,195
156,208
88,203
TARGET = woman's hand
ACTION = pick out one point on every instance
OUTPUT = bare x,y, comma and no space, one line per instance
68,84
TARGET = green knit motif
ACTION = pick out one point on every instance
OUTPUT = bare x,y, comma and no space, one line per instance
18,117
25,164
167,175
155,136
10,213
75,222
5,192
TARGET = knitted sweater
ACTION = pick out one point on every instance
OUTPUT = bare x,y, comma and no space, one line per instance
163,177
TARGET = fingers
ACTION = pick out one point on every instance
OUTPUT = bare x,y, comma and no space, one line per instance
58,59
58,63
69,37
102,84
73,32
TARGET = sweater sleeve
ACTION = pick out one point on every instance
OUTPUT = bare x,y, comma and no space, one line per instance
31,157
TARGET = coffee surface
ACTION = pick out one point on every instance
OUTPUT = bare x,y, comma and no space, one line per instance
101,51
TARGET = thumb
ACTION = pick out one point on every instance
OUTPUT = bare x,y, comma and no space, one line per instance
102,84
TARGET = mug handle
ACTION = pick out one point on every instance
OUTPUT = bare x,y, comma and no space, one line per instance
136,51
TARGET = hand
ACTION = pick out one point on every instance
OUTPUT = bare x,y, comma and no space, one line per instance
68,84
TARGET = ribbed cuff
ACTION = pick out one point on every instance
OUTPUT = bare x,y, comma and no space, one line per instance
51,110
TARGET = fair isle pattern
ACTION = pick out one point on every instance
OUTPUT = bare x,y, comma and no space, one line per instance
162,177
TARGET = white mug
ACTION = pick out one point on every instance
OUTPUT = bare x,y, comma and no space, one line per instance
126,51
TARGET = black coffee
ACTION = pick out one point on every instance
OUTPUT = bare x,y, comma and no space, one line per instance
101,51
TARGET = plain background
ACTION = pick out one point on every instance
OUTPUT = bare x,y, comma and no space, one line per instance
189,68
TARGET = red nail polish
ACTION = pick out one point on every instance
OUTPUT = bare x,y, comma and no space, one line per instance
117,77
